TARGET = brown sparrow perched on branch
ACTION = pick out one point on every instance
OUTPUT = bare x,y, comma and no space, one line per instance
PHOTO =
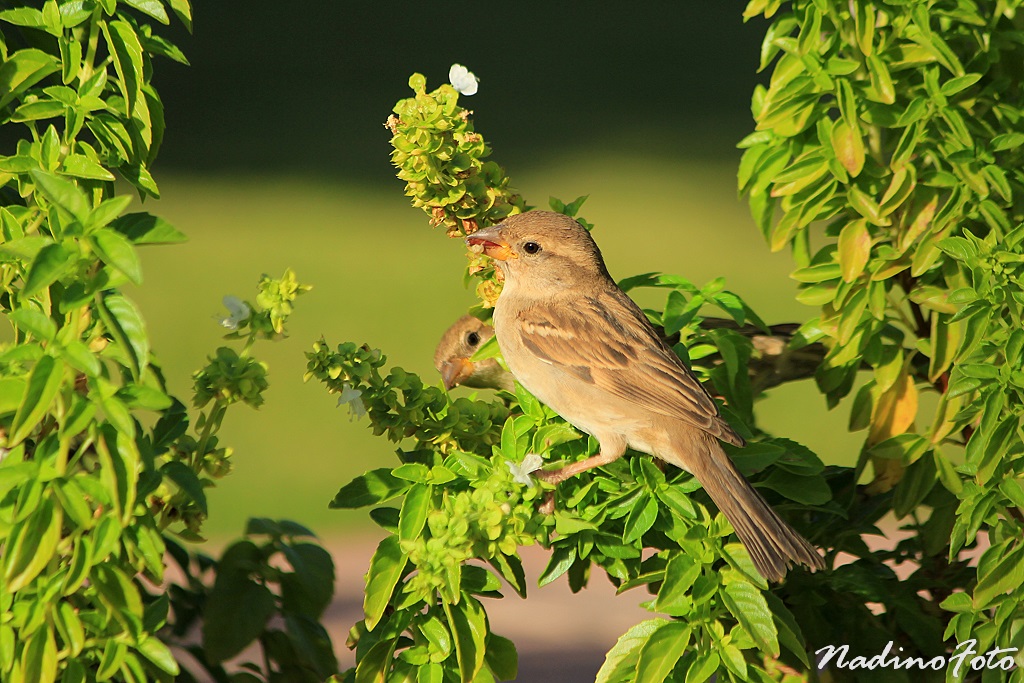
580,345
455,350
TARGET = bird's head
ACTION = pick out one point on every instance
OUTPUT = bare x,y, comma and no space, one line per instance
542,249
455,350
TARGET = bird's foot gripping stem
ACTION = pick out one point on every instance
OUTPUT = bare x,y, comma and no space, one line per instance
547,507
571,470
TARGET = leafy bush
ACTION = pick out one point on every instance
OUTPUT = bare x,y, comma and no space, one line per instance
891,132
100,468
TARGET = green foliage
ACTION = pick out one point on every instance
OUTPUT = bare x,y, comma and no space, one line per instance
886,157
271,572
100,467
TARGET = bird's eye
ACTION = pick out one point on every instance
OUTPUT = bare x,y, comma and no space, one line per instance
473,339
531,247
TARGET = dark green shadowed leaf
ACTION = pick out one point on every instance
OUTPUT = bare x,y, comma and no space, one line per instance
501,657
376,486
143,228
238,607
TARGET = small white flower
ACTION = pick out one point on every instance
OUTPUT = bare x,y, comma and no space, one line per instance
521,472
354,398
463,79
238,311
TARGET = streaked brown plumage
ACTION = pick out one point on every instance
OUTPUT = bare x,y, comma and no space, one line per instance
456,348
580,345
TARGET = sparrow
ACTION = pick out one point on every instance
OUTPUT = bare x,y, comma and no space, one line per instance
579,344
456,348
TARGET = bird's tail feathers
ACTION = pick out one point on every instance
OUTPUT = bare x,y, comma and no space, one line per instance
772,543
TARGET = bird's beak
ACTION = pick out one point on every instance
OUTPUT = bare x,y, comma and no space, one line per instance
493,244
455,371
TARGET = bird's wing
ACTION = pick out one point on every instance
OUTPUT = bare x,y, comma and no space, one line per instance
606,340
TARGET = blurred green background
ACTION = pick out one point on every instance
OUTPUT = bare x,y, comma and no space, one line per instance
275,157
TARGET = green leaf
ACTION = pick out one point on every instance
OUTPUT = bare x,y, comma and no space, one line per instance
23,16
620,662
143,228
511,569
371,488
704,667
63,193
469,627
23,69
108,210
414,512
50,263
43,385
31,546
1005,576
915,485
238,608
386,569
187,480
812,490
125,323
1014,491
39,110
35,322
748,605
680,573
501,657
958,248
790,635
641,518
955,85
854,249
562,557
126,51
81,358
881,80
119,459
156,652
677,502
311,586
659,654
118,252
69,626
39,660
81,166
153,8
183,10
848,146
